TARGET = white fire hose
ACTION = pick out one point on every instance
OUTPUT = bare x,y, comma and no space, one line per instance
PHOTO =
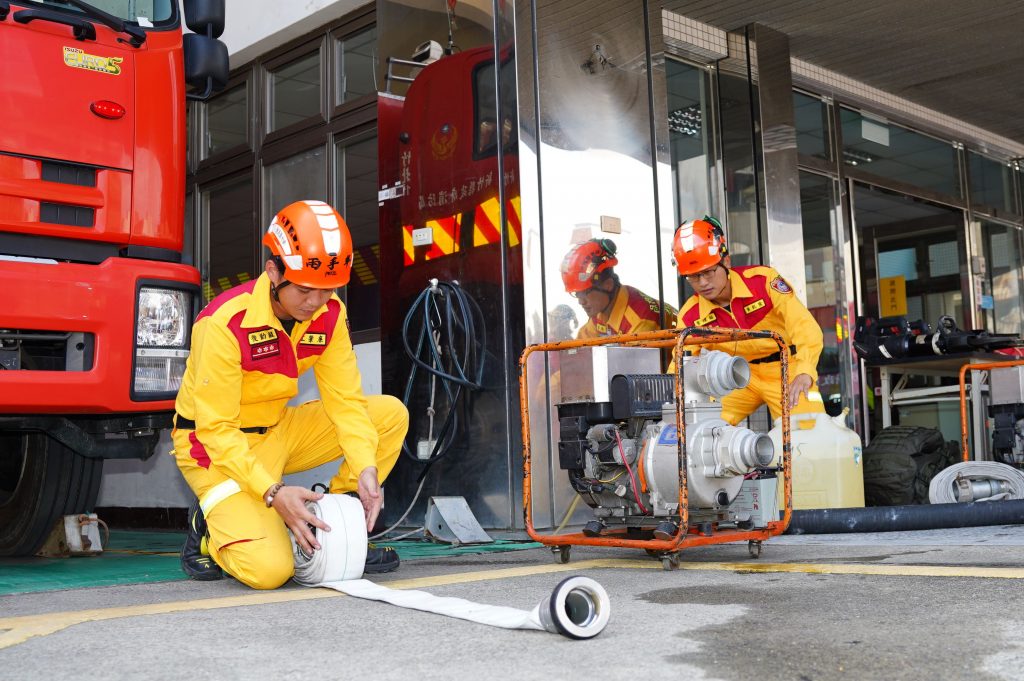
577,608
976,481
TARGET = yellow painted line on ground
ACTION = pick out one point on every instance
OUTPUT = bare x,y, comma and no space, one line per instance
19,629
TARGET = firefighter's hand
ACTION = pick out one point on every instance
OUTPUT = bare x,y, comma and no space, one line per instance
801,384
371,495
290,504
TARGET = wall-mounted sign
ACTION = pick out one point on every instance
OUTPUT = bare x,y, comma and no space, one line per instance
892,296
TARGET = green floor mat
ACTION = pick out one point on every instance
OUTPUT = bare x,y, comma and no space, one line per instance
134,557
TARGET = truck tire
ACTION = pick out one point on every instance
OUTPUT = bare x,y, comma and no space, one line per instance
40,480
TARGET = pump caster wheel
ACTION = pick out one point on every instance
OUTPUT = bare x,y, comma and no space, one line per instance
561,553
670,561
754,548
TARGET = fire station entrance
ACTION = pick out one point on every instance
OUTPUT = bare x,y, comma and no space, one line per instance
912,262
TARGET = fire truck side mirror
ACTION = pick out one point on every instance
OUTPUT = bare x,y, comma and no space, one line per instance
206,65
205,17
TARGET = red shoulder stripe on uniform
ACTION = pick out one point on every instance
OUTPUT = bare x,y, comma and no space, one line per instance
265,350
644,306
223,298
692,313
750,311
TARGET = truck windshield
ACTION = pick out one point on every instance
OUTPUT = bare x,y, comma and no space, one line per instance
146,13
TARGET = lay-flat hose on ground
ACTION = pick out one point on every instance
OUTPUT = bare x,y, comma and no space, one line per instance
577,608
976,481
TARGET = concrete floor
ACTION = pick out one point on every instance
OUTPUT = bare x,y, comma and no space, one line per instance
941,604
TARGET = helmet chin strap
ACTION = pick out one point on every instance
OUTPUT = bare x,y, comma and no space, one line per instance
284,282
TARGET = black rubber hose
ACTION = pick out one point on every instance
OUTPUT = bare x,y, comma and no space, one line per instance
906,518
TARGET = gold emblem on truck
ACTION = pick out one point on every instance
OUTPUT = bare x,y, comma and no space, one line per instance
78,59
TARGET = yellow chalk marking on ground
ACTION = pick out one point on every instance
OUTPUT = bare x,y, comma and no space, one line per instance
19,629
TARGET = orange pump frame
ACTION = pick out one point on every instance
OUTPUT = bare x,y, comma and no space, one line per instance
684,538
985,366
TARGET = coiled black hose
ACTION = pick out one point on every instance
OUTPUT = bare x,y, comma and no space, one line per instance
450,346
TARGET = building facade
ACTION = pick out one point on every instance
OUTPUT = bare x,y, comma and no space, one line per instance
603,119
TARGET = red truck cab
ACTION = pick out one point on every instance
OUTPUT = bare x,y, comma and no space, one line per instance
95,325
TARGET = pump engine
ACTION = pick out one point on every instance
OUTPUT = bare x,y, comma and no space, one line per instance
618,442
1006,408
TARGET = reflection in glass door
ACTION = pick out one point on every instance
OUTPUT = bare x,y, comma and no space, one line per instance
227,221
823,265
920,245
1001,291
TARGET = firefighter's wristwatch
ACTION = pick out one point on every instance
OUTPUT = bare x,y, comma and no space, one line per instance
272,492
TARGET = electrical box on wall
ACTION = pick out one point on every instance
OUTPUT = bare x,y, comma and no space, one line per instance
424,236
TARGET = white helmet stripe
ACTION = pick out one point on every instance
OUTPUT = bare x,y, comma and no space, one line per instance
282,239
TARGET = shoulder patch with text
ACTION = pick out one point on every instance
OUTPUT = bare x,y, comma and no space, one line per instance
704,321
756,305
780,285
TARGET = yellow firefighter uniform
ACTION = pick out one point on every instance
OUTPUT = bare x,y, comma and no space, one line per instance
236,436
632,312
762,301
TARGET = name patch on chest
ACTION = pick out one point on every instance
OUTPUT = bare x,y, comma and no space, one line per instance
756,305
704,321
262,336
313,339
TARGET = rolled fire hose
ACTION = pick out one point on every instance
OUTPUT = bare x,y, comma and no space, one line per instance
578,607
976,481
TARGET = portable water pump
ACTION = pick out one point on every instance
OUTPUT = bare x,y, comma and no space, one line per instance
618,442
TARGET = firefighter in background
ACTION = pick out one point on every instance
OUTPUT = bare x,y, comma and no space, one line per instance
235,437
612,308
754,298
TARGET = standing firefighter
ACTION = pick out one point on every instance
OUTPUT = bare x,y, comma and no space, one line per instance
612,307
754,297
234,436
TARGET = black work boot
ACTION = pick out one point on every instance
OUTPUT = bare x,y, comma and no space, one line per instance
195,557
380,559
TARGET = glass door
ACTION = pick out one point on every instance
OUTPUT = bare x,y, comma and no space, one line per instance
918,245
913,264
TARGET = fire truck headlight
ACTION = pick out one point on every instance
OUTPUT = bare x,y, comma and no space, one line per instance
161,339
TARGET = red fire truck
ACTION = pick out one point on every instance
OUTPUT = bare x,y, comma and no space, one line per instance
97,311
439,172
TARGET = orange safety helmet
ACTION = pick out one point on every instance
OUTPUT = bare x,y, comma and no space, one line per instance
698,245
313,244
584,262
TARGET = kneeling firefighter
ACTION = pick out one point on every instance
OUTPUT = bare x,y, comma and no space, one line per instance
755,298
235,437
